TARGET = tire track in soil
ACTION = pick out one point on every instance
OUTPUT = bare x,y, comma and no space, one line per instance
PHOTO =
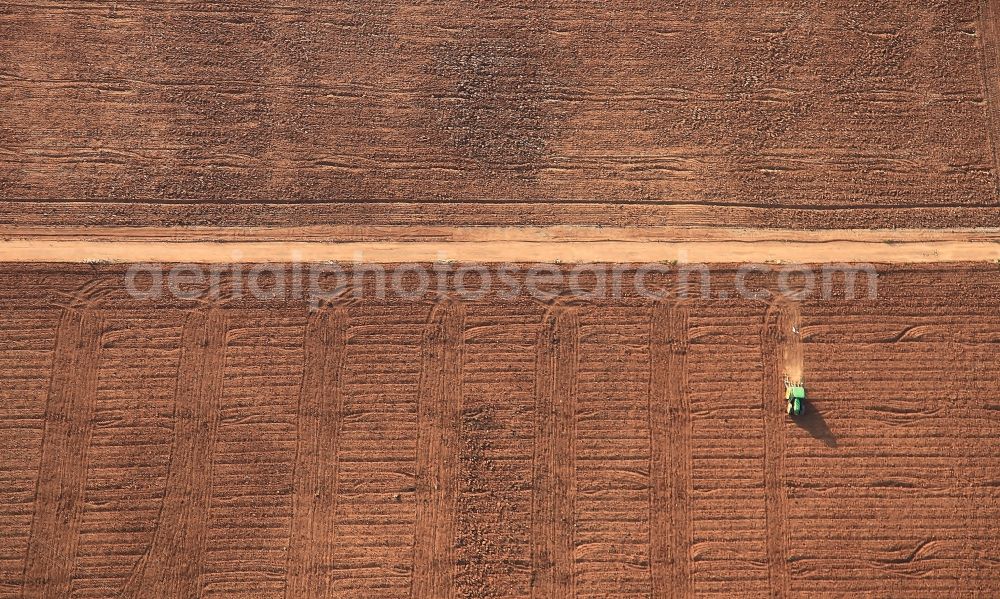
59,496
554,476
172,565
320,413
989,16
438,437
781,353
670,528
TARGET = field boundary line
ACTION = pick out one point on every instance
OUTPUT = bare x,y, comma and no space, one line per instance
312,533
62,470
49,216
670,452
439,417
447,233
171,566
553,513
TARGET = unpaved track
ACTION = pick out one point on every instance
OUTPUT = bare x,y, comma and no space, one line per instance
608,448
539,244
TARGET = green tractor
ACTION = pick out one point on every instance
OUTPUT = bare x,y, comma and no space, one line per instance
795,395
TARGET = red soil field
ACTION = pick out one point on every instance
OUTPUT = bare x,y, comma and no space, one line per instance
452,447
456,448
757,113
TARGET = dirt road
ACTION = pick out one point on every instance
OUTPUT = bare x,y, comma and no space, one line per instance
487,245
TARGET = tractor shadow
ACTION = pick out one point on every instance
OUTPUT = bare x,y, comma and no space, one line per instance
813,423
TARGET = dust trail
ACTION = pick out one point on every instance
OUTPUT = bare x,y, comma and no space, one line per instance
55,529
172,565
439,434
321,403
670,453
554,476
780,350
790,327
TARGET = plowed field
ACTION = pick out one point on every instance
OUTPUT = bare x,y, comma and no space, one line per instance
449,448
757,113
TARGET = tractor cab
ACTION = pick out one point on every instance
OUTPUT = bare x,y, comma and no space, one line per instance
795,395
